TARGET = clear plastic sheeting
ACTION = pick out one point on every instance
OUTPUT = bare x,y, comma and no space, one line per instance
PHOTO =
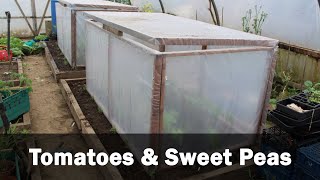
74,26
19,27
170,75
121,83
97,65
207,79
294,22
218,93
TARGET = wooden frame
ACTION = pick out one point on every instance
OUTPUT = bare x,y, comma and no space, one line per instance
20,71
86,129
57,74
93,141
156,46
26,124
300,50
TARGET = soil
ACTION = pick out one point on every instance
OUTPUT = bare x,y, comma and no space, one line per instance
50,115
114,143
4,69
6,167
58,57
101,125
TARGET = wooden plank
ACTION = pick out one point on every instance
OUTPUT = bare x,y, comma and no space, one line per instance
301,50
162,91
267,94
156,96
26,124
113,30
73,39
98,5
108,171
57,74
72,103
215,51
220,171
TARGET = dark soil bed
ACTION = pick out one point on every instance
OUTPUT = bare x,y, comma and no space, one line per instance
58,57
103,129
5,69
114,143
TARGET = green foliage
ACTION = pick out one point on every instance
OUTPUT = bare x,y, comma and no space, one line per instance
313,90
36,48
23,80
14,42
147,8
254,25
13,137
41,37
113,130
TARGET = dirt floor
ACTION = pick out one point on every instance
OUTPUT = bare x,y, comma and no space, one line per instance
50,115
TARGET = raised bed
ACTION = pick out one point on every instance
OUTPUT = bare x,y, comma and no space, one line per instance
16,67
96,130
84,126
59,65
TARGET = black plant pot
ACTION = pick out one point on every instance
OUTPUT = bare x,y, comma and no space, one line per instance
304,98
296,122
282,106
300,132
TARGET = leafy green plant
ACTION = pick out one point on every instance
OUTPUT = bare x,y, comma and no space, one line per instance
253,23
14,42
147,8
41,37
13,137
313,90
113,130
23,80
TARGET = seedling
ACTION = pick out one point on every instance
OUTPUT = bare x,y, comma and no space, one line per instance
113,130
313,90
147,8
254,25
65,62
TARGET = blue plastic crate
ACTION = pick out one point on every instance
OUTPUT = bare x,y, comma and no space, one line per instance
302,174
308,158
275,173
266,149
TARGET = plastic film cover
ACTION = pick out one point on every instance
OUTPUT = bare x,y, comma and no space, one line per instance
121,83
162,29
298,23
97,65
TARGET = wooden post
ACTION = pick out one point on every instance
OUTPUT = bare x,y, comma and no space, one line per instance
73,39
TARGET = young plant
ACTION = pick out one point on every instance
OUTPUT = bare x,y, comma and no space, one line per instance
147,8
41,38
313,90
113,130
23,80
254,25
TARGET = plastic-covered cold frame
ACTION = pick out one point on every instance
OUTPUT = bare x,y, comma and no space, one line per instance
71,25
155,73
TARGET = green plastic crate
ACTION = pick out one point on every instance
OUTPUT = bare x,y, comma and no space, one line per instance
16,104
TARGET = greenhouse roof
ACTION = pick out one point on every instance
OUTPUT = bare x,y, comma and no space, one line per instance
164,29
97,4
